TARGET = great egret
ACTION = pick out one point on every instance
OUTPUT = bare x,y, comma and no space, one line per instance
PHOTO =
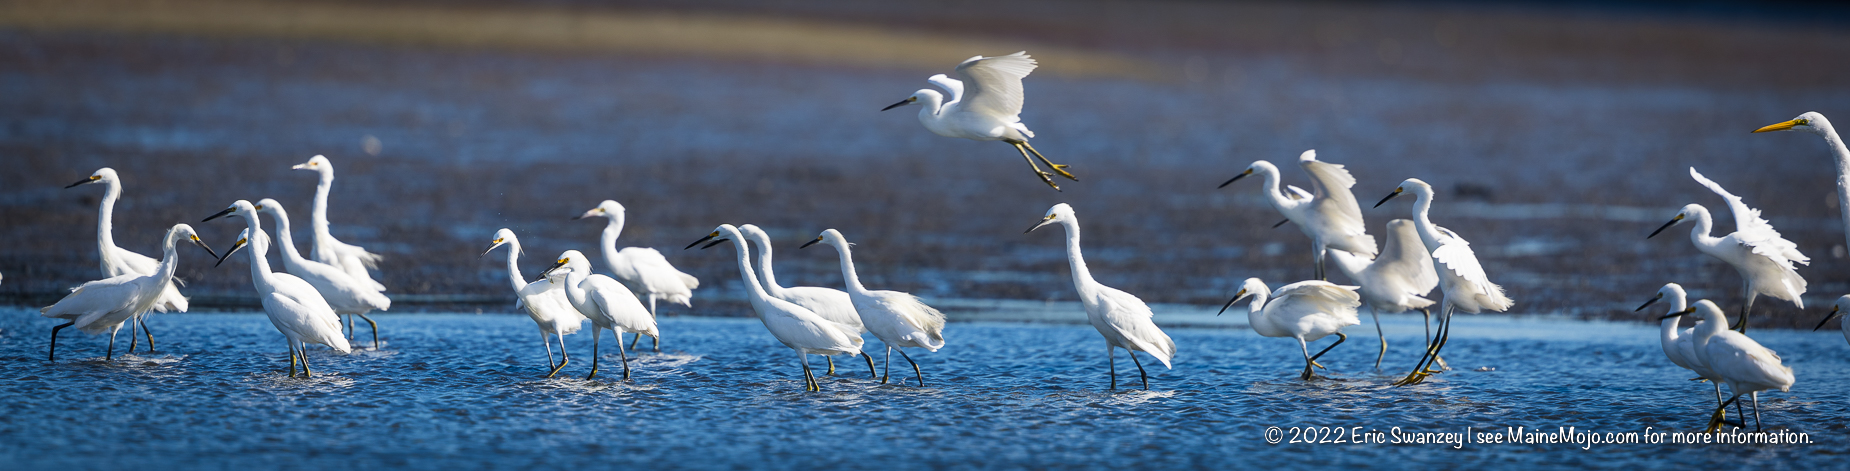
1306,311
1747,367
647,274
1467,288
103,305
898,319
607,303
542,300
1330,217
326,249
296,309
794,325
990,109
346,294
1395,281
832,304
1754,249
1120,317
1842,306
117,261
1680,344
1815,123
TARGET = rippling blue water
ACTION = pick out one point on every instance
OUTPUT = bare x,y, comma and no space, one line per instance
464,391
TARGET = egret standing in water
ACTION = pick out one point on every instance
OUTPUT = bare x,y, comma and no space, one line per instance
117,261
1840,308
1680,345
1330,217
607,303
643,270
1394,281
103,305
1306,311
795,326
984,106
1814,123
1467,288
326,249
542,300
343,292
832,304
1747,367
296,309
898,319
1121,318
1762,257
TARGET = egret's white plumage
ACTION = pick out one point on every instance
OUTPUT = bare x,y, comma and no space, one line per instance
1841,307
1680,344
832,304
1814,123
103,305
644,270
1306,311
117,261
1396,280
1120,317
326,249
1762,257
607,303
795,326
1747,367
343,292
1330,216
543,301
899,320
1467,288
296,309
984,106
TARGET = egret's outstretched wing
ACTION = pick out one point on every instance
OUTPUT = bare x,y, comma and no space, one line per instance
951,86
1335,202
992,85
1750,229
1455,257
1298,194
1313,296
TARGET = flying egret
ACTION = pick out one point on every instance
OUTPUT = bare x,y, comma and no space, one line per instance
1842,306
898,319
117,261
989,111
1330,217
1747,367
606,302
1754,249
647,274
1467,288
1395,281
832,304
1815,123
796,326
1306,310
542,300
296,309
328,250
346,294
1680,344
103,305
1120,317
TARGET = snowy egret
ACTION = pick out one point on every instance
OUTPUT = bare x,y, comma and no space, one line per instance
1120,317
898,319
542,300
606,302
1840,308
103,305
1747,367
1815,123
344,293
1330,217
348,258
989,111
1680,345
1306,310
1754,249
1395,281
647,274
831,304
1467,288
293,306
117,261
794,325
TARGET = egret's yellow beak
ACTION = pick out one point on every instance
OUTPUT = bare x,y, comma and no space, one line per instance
1781,126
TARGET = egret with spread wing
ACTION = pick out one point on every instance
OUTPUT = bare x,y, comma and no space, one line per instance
1762,257
984,106
1467,288
1330,217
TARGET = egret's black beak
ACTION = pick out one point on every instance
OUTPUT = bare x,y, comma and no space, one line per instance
717,242
220,214
202,244
1673,222
1280,223
1827,319
79,182
554,266
1389,197
904,102
234,249
702,240
1649,303
1044,221
491,248
1684,312
812,242
1236,178
1236,298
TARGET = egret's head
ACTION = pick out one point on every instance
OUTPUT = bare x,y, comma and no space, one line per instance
239,208
102,175
268,206
1703,310
1670,291
754,233
502,237
1058,213
570,259
244,238
720,234
1811,121
1689,211
316,163
1248,288
829,236
1412,185
186,232
921,96
1841,307
1257,167
608,209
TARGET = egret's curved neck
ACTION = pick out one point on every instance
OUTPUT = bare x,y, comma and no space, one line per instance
1082,277
282,235
745,267
1709,328
1843,177
764,264
572,290
931,106
260,266
318,216
169,256
105,211
1699,233
609,238
1668,332
1273,191
847,270
513,265
1260,297
1422,205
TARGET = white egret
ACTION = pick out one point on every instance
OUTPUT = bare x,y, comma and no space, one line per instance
1330,217
832,304
606,302
1747,367
1467,288
1754,249
1680,344
990,111
647,274
1395,281
1306,311
898,319
346,294
1815,123
103,305
296,309
1840,308
117,261
326,249
542,300
1120,317
796,326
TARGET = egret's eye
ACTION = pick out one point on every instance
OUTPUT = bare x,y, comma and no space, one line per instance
243,241
562,260
195,238
1801,122
714,234
96,177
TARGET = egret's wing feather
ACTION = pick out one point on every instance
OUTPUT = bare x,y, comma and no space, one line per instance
1133,320
951,86
1331,184
651,264
1456,257
1752,230
1298,193
992,85
1318,296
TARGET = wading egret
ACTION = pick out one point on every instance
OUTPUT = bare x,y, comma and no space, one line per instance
1747,367
328,250
832,304
898,319
990,110
1815,123
606,302
1394,281
117,261
1306,310
1680,344
293,306
542,300
1330,217
1754,249
1121,318
648,275
344,293
794,325
1467,288
103,305
1842,306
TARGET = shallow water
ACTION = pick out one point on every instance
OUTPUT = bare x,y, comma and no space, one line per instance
465,391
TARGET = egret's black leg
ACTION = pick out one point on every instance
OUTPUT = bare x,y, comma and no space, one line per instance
915,366
111,353
303,347
134,335
144,331
1111,360
1379,334
565,358
595,336
1140,373
374,325
871,373
622,355
53,354
888,369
